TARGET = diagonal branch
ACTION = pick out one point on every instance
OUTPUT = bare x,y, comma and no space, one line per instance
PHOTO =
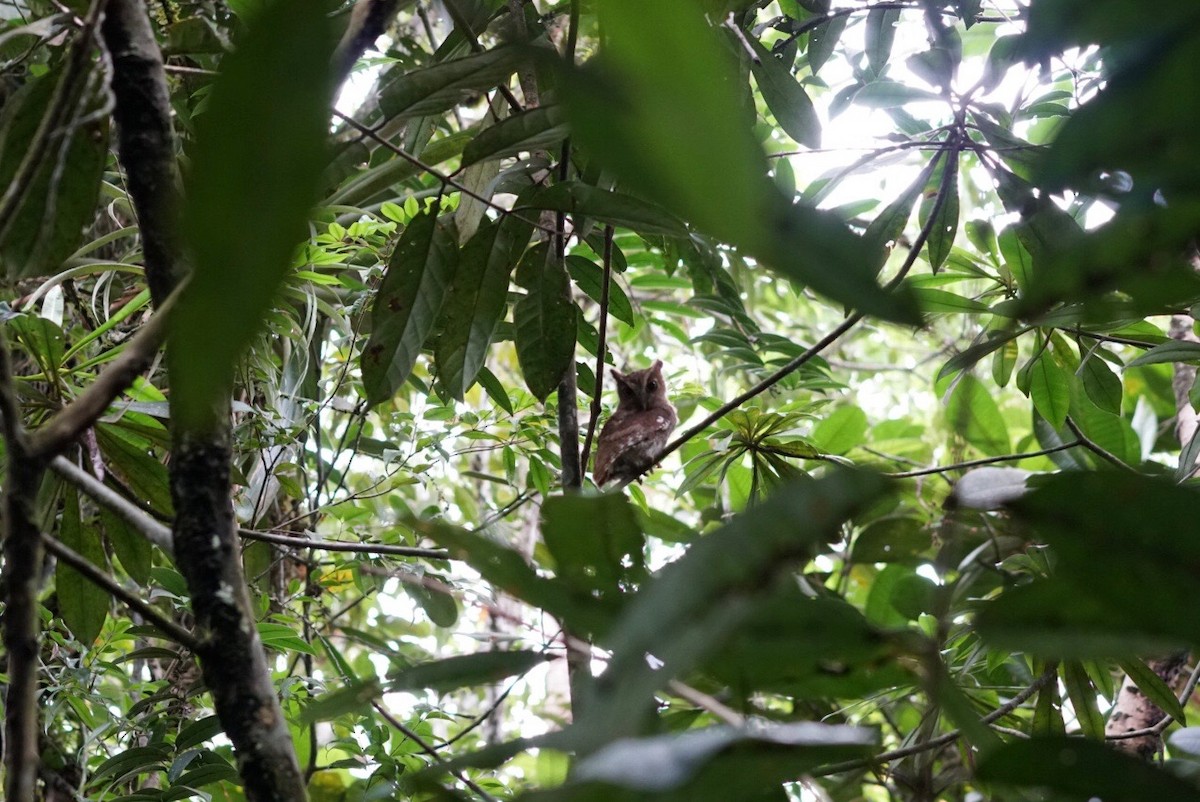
71,421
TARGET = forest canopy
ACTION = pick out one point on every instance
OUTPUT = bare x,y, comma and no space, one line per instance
313,314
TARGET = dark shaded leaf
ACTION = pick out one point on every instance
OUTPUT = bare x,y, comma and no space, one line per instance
1082,768
944,228
530,130
1083,699
476,300
596,541
436,88
584,200
259,153
881,33
407,305
131,548
589,277
465,670
544,329
786,98
83,605
59,197
662,111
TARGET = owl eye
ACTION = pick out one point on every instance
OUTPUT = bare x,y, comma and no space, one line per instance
652,385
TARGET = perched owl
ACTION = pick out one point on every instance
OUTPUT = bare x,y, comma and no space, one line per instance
635,434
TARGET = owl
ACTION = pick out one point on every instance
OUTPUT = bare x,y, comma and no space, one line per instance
635,434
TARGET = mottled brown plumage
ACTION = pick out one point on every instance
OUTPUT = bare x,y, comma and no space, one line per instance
632,438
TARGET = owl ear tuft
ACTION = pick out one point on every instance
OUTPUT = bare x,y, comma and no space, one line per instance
657,366
617,375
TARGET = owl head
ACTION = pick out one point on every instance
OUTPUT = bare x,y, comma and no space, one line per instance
641,389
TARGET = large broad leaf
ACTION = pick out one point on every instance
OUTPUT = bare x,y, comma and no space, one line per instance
436,88
943,198
259,153
56,197
589,277
692,606
717,763
664,110
531,130
1109,547
596,541
1082,769
476,300
465,670
889,224
584,200
1050,389
544,329
973,413
786,98
83,605
407,305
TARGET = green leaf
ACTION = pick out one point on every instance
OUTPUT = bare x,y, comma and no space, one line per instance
1152,685
197,732
589,277
1083,699
433,89
972,412
891,540
256,167
476,300
1101,384
694,604
785,97
1106,547
353,697
438,604
83,605
407,305
58,197
664,111
1082,769
935,301
944,229
888,225
881,33
583,200
888,94
1171,351
1050,389
596,541
466,670
369,183
535,129
715,762
131,548
544,329
841,430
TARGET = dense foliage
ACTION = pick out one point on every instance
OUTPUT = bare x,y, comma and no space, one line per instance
922,275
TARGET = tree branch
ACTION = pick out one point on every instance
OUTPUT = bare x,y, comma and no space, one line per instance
75,418
368,21
601,348
338,545
102,494
97,577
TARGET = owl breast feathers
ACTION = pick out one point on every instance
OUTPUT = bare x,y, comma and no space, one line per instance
634,436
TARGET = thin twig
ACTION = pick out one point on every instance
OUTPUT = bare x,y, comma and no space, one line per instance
948,738
1096,448
433,171
602,345
338,545
974,463
429,750
92,572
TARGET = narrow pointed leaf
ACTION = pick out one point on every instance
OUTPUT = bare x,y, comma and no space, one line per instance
786,98
531,130
436,88
476,301
544,329
407,305
84,606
